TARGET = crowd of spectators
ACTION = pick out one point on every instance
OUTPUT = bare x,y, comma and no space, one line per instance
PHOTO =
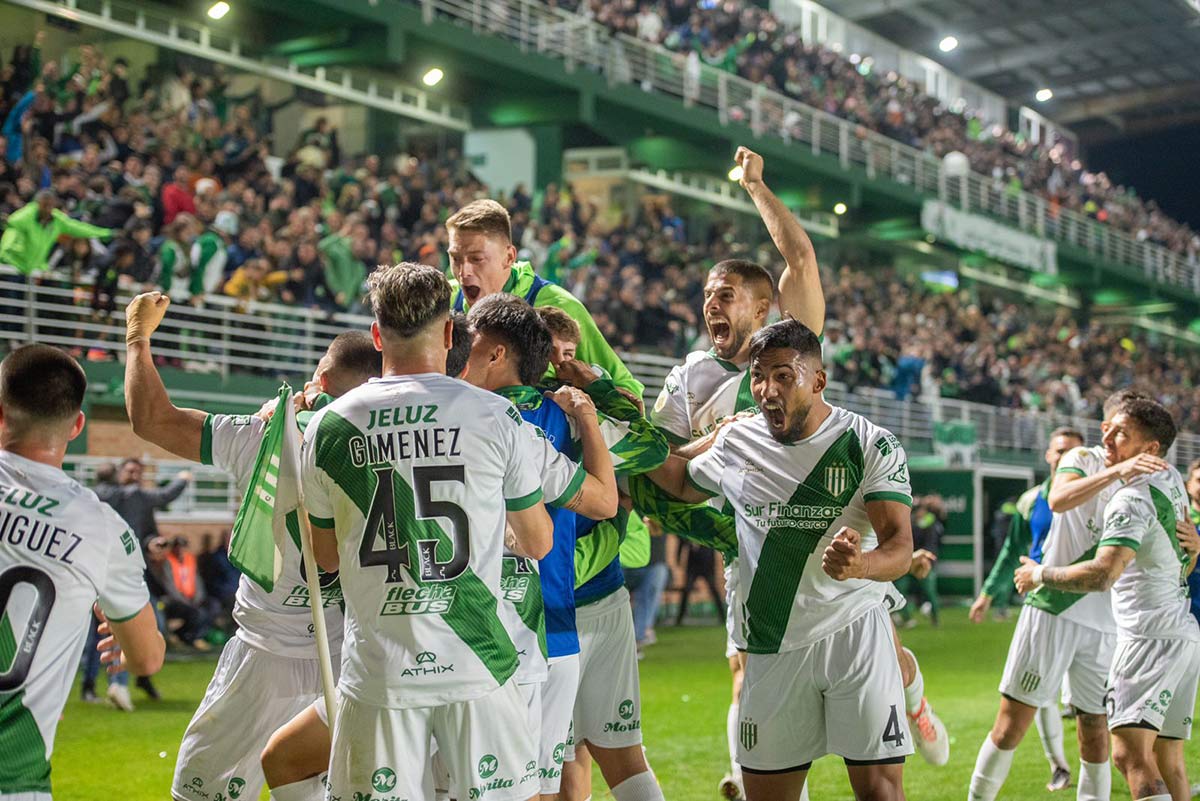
174,185
743,38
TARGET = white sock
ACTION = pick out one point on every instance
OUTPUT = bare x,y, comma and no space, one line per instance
731,735
804,791
305,790
642,787
991,769
1159,797
915,691
1050,729
1095,781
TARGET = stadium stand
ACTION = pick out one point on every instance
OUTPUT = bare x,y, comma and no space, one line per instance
223,224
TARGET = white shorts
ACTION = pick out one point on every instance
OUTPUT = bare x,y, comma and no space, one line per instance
1154,683
731,607
252,693
1045,650
33,796
841,695
384,753
608,705
893,599
557,706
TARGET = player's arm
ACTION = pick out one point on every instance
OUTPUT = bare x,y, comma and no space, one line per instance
673,478
635,443
134,644
597,496
800,292
325,549
593,347
1128,519
316,499
1072,486
1189,541
1097,574
532,530
153,417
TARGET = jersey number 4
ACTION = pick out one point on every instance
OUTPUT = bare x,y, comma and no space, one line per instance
16,657
892,733
401,538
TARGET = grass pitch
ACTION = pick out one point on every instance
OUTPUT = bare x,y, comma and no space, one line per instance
105,754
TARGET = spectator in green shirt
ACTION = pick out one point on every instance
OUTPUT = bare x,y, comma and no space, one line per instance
33,229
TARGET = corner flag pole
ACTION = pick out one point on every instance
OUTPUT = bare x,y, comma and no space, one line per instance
316,605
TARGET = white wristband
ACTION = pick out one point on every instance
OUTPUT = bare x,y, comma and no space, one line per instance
1037,576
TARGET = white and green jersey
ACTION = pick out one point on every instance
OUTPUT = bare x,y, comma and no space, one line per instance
520,583
1073,537
61,548
1150,599
279,621
789,501
699,393
415,473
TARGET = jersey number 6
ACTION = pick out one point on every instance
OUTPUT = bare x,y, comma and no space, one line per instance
395,521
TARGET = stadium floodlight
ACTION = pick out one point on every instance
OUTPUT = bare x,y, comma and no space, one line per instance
736,173
433,77
218,9
947,44
839,209
1043,95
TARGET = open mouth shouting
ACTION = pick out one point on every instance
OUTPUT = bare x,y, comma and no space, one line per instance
472,292
721,332
775,416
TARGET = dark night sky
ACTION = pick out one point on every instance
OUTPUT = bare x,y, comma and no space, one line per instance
1164,166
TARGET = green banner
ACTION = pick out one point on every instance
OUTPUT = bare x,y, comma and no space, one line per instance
957,489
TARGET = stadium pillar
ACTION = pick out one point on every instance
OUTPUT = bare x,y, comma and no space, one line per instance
548,163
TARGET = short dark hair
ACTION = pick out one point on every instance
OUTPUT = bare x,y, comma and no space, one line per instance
1118,400
790,334
751,273
353,352
1068,431
460,349
515,323
1154,421
407,297
561,324
40,385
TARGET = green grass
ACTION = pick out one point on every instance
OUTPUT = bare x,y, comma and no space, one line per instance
104,754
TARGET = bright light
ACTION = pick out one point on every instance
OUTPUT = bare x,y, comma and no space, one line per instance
948,44
736,173
1043,95
433,77
218,9
839,209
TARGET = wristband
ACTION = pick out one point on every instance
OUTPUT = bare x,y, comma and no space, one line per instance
1036,576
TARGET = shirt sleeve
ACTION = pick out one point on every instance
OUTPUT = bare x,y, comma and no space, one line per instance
230,442
670,412
1128,518
561,477
636,445
885,469
314,483
1077,461
522,481
124,593
704,472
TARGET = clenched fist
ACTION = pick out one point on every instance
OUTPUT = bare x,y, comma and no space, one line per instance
844,557
143,315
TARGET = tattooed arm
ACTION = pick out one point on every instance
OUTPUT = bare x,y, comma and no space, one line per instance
1097,574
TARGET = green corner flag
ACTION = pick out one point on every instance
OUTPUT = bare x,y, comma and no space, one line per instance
260,531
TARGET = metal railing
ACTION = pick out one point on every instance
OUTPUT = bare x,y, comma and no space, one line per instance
623,59
163,27
210,495
225,337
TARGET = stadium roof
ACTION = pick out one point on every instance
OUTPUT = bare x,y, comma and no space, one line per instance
1116,67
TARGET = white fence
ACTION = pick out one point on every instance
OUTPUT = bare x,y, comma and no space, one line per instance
224,337
536,27
211,494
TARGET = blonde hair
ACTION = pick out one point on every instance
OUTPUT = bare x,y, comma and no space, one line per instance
482,216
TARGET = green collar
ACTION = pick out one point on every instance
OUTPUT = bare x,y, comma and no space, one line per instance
728,365
512,280
523,397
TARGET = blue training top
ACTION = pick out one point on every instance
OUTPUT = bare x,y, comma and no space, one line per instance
1039,526
558,567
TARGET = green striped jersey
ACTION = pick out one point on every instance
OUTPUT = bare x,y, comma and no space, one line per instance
789,501
1072,538
699,393
279,621
414,473
1150,599
61,548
